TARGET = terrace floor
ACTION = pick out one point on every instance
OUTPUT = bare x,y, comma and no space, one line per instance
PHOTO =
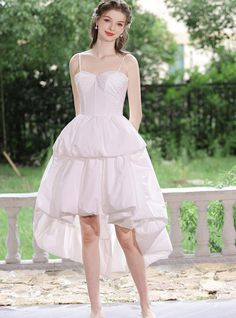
164,309
180,291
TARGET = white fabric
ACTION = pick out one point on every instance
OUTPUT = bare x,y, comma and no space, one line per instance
100,165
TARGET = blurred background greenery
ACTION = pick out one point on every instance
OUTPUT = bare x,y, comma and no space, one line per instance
189,126
38,39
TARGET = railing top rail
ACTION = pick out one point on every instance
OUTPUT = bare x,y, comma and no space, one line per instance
18,195
170,194
198,189
199,194
17,199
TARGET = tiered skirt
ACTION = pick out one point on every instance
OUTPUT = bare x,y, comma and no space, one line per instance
100,165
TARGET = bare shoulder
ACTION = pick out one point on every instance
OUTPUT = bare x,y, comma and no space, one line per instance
131,62
74,61
130,58
76,55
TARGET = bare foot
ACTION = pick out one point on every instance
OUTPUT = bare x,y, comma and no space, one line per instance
98,314
148,314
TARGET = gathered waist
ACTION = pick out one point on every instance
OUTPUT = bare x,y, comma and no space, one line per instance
100,115
98,135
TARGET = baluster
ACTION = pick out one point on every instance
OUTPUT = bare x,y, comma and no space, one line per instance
202,234
175,231
13,241
228,229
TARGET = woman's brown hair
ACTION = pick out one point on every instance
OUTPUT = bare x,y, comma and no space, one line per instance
104,6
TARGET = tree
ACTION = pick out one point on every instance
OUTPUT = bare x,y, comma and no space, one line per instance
36,35
209,22
152,44
38,39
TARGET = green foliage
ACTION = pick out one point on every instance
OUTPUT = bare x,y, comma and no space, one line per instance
37,34
152,44
198,115
208,22
38,39
226,178
215,220
188,225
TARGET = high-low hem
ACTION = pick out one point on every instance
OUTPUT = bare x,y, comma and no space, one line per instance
121,190
63,239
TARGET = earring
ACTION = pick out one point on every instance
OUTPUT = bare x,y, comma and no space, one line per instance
96,27
121,35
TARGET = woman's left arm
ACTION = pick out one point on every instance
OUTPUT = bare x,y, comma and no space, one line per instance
134,92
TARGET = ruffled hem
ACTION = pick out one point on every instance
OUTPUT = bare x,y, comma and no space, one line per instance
63,239
91,136
122,190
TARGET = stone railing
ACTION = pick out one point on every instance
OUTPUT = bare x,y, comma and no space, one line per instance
201,196
174,197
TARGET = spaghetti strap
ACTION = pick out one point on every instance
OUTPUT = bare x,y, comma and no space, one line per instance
122,62
79,63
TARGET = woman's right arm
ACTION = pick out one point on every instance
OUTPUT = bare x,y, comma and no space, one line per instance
74,68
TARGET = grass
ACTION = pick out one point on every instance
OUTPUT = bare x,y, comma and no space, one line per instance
183,172
176,173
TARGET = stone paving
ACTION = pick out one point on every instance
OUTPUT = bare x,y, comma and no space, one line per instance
166,282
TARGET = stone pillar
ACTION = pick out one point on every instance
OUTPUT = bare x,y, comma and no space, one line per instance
175,231
13,241
202,234
229,233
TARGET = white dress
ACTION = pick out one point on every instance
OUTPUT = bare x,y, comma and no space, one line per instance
100,165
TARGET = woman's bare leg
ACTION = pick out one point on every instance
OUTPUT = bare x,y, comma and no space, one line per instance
90,230
135,261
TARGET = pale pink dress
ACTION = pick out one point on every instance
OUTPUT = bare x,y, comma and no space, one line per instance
100,165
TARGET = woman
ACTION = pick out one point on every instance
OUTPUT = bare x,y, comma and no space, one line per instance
100,173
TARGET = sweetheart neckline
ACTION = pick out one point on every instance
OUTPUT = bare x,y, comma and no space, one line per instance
102,73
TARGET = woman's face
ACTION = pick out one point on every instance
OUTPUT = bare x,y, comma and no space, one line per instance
111,24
